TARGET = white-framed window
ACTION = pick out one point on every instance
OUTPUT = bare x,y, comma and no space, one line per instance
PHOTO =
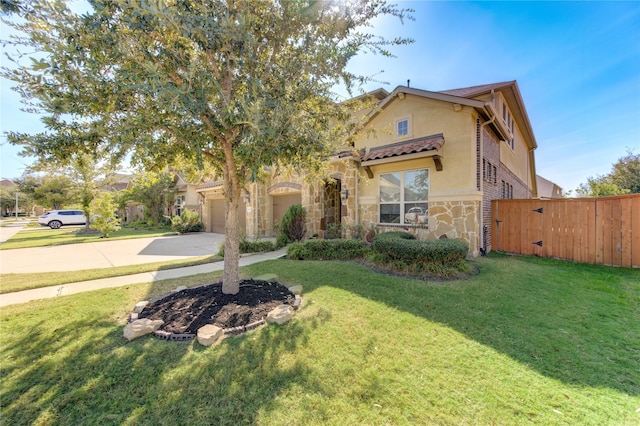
402,127
404,197
489,171
507,190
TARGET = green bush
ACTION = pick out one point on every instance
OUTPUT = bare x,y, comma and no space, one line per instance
401,249
105,219
328,250
247,246
294,223
282,241
188,221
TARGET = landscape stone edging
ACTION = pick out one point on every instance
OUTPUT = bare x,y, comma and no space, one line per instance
181,337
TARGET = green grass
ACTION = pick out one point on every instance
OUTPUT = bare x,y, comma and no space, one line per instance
527,341
54,237
18,282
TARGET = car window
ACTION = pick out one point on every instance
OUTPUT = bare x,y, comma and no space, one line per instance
65,213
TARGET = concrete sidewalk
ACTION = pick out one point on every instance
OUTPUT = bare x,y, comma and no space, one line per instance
73,288
10,228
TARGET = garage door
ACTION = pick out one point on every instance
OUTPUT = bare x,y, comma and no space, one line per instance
282,202
216,213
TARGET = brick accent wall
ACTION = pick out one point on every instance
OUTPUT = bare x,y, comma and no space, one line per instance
492,185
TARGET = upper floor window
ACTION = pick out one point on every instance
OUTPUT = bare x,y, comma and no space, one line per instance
402,127
404,197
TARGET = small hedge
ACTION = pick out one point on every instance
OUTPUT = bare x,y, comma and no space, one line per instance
395,251
247,246
399,248
328,250
188,221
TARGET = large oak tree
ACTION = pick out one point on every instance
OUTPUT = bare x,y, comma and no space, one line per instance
226,86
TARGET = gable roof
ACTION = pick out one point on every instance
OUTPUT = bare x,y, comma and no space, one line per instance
470,92
511,93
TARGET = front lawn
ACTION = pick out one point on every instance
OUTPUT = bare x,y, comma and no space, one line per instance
54,237
526,341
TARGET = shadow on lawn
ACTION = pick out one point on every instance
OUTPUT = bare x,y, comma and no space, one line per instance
106,380
574,323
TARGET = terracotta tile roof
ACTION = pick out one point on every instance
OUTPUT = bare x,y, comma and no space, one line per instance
429,143
469,92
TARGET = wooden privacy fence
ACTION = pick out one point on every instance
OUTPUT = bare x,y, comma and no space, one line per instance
592,230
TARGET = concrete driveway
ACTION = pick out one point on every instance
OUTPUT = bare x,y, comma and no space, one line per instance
105,254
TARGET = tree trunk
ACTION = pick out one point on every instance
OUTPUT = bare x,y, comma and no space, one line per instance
231,276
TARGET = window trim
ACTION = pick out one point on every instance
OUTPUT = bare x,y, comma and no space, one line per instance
409,130
402,203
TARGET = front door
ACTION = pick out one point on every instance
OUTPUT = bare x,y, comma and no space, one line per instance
332,209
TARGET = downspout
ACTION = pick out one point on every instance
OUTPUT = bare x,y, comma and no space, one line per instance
529,170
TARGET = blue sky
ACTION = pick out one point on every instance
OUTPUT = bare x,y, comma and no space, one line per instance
577,65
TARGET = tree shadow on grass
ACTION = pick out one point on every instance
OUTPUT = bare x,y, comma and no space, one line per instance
51,377
574,323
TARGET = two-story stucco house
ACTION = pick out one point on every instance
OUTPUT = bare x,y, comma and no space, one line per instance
431,165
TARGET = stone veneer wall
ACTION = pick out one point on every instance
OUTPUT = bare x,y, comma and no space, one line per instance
455,219
312,198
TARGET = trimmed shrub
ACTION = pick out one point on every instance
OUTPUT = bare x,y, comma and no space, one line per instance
328,250
247,246
401,248
294,223
188,221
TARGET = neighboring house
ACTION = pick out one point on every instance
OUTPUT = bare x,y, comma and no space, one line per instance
547,189
6,183
121,182
432,165
118,182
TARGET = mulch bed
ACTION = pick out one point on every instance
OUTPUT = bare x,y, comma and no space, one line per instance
188,310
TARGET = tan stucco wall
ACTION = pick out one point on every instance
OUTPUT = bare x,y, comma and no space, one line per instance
517,159
431,117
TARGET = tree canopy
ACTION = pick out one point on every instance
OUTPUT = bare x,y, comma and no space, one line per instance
155,191
624,178
222,86
52,191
